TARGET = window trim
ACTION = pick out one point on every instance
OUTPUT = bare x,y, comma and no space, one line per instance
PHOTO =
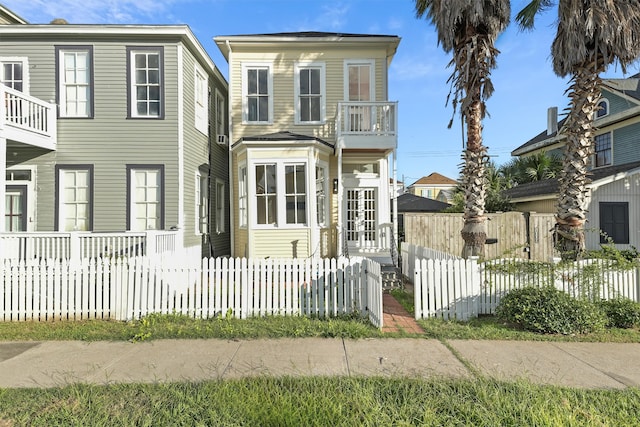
595,152
281,213
58,197
60,50
327,196
306,65
246,66
131,99
25,69
201,111
626,236
220,219
132,167
199,223
606,108
372,77
243,195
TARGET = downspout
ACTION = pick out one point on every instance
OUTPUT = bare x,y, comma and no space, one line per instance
232,229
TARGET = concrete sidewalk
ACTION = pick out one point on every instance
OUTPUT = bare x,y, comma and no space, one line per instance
58,363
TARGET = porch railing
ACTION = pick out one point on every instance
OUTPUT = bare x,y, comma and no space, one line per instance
367,118
26,113
77,245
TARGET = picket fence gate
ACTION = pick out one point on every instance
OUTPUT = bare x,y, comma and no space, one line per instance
462,289
131,288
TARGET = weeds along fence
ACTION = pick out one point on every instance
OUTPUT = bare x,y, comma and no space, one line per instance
462,289
130,288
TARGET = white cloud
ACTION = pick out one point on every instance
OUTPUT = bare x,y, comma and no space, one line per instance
93,11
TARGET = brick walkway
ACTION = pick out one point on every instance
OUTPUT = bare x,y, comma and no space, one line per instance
396,318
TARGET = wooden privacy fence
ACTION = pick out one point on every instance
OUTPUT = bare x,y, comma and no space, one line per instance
519,234
462,289
127,289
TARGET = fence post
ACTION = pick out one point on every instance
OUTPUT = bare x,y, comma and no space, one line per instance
475,287
151,244
75,252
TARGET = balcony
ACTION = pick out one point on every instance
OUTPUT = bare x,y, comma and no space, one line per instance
27,120
367,125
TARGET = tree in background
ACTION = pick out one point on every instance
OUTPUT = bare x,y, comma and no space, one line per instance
591,35
469,29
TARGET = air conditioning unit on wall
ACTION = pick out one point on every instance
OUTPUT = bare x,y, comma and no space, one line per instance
222,140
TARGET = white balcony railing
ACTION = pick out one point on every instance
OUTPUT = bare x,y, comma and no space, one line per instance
30,246
26,119
367,118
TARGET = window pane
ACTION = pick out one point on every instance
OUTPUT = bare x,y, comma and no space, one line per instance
314,112
262,82
271,178
154,93
141,60
154,60
315,82
300,179
252,82
141,76
305,113
304,82
264,109
154,77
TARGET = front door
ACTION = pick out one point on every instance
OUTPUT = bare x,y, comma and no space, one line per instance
15,208
361,220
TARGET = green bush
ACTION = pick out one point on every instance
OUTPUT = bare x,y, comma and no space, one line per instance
549,310
621,312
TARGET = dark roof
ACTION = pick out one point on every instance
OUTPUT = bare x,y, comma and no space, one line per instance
282,136
312,34
408,202
542,136
550,186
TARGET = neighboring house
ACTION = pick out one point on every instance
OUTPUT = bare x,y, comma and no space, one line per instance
614,193
113,128
434,186
411,203
312,132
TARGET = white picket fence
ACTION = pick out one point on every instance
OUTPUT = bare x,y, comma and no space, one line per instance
461,289
126,289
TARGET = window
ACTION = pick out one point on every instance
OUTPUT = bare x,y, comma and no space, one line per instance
74,189
321,195
614,222
295,194
309,91
266,202
242,195
14,73
220,220
280,193
145,188
201,101
202,204
603,150
74,81
603,108
220,114
257,97
145,67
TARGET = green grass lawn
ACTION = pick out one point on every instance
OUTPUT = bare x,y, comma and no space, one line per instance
319,401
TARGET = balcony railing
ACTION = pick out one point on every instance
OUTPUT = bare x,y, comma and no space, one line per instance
74,246
367,118
26,119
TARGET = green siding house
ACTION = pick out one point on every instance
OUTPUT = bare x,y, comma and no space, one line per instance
112,136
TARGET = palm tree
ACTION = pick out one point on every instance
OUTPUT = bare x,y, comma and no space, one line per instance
536,167
591,35
469,29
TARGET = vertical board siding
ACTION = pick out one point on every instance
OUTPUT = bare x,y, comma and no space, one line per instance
127,289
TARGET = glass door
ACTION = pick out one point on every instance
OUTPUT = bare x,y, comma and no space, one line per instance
15,208
360,212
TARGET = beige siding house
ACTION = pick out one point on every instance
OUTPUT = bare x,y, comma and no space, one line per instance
113,129
434,186
312,138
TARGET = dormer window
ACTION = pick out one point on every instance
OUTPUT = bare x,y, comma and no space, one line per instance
603,108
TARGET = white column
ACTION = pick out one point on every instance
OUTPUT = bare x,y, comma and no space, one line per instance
395,197
339,210
3,183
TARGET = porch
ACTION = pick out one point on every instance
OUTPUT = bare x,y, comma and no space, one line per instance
74,246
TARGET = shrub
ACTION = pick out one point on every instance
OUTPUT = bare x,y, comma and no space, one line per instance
621,312
549,310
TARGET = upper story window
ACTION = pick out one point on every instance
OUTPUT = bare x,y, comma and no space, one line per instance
146,82
359,81
603,150
201,96
257,99
310,92
74,66
220,114
603,108
14,73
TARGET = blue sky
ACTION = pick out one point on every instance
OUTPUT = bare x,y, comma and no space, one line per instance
525,85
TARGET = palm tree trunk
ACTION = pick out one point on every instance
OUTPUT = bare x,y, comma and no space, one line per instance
580,133
474,231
